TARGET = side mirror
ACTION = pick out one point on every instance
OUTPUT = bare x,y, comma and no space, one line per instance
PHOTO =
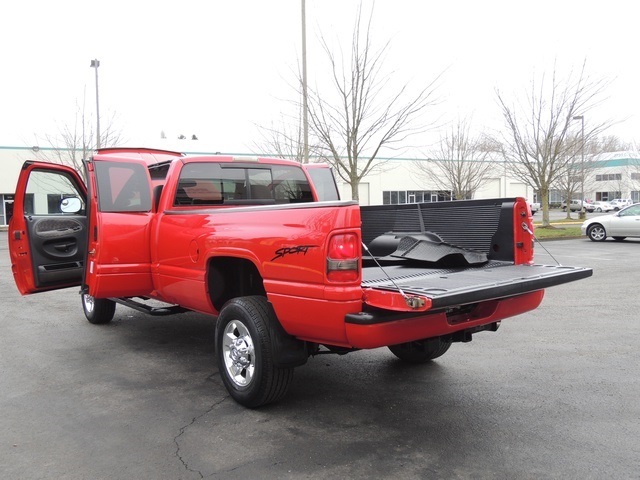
70,205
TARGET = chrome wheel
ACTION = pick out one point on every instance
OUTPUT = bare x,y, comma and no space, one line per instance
239,353
98,310
89,303
245,352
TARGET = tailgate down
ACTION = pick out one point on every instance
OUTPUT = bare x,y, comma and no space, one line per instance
452,287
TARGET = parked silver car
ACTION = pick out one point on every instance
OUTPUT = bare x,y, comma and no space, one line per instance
576,206
619,225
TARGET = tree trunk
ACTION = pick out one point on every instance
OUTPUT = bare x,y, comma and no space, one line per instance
354,191
543,195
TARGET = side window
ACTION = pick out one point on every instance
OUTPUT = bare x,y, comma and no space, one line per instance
216,184
260,184
122,187
46,190
290,185
325,184
631,211
200,184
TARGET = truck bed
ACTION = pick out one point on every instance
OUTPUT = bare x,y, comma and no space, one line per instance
482,230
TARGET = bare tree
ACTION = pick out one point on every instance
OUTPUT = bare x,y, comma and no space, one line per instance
606,144
461,164
537,146
579,176
355,121
75,142
573,177
285,141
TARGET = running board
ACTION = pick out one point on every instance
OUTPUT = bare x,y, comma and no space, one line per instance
148,309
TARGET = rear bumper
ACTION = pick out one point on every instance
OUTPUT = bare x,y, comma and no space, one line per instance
379,328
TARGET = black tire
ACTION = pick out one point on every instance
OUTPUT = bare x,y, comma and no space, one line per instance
421,351
619,239
597,233
244,352
98,310
598,210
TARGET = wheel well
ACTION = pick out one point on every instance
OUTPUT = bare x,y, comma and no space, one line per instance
230,277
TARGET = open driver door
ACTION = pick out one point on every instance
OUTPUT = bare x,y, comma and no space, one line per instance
48,230
67,233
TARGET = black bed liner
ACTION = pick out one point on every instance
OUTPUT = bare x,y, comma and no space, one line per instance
455,253
452,287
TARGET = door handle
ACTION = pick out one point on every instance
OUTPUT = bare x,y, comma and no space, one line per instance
63,247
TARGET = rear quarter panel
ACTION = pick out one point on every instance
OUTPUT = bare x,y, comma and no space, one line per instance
288,246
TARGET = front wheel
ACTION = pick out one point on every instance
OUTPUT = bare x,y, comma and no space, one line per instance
421,351
597,233
244,352
98,310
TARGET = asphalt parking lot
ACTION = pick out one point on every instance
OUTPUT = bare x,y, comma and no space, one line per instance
553,394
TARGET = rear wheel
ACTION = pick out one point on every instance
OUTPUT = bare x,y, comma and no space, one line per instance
244,352
421,351
98,310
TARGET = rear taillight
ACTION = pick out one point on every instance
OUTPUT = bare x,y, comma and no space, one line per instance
343,258
523,233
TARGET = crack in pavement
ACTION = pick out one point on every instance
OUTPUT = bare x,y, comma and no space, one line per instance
184,428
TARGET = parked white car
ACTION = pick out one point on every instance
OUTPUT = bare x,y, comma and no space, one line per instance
620,203
602,207
534,206
619,225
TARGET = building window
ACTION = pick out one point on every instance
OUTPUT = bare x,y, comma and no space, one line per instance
414,196
6,209
606,196
609,177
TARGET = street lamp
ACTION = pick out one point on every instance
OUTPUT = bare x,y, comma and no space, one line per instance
95,64
305,105
583,212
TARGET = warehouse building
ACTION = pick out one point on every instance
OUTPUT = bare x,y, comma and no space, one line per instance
392,181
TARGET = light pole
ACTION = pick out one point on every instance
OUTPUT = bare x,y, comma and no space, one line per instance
305,106
95,64
583,212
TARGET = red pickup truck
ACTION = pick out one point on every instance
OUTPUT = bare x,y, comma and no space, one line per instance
267,247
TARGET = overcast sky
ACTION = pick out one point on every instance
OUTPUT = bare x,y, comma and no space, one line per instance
218,68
